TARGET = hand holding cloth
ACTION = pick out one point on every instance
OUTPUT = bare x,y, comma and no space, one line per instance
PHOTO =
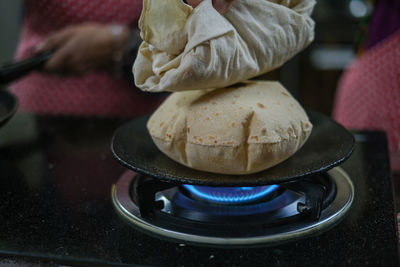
201,48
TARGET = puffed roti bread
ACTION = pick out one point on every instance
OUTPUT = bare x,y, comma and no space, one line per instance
241,129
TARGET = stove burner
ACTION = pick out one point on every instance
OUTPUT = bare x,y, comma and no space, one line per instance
290,211
230,195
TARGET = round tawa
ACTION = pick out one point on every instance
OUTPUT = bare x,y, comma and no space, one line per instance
328,146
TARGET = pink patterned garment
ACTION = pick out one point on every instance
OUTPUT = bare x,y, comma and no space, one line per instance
97,93
369,94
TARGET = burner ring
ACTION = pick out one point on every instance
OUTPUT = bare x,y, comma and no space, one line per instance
229,195
330,216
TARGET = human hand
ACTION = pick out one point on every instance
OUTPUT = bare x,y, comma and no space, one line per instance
82,48
221,6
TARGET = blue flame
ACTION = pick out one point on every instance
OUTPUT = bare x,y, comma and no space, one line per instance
231,195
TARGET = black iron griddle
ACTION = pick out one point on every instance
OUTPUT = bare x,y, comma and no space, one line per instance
328,146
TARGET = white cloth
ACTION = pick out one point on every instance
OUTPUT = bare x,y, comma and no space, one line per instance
253,37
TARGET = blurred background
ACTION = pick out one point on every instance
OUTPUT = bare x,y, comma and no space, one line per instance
10,19
311,76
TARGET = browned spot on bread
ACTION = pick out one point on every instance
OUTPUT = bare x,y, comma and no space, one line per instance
200,139
205,108
211,137
254,137
169,136
233,124
174,117
161,124
233,102
217,114
194,137
230,142
208,118
215,141
264,131
188,130
260,105
284,93
214,102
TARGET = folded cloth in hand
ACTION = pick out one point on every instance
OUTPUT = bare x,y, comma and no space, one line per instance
188,49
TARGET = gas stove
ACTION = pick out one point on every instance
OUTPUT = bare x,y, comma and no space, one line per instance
234,216
294,199
56,206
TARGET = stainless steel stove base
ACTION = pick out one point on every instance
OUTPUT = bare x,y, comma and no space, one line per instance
330,216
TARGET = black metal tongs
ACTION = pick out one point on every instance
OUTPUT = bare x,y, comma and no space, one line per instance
12,71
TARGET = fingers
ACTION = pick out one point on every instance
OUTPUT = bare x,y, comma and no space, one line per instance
194,3
57,63
55,40
81,49
221,6
67,61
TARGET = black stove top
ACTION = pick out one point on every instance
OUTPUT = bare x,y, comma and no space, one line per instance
56,206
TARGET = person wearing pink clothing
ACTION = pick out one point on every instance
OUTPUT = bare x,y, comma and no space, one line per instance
89,40
368,95
86,38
